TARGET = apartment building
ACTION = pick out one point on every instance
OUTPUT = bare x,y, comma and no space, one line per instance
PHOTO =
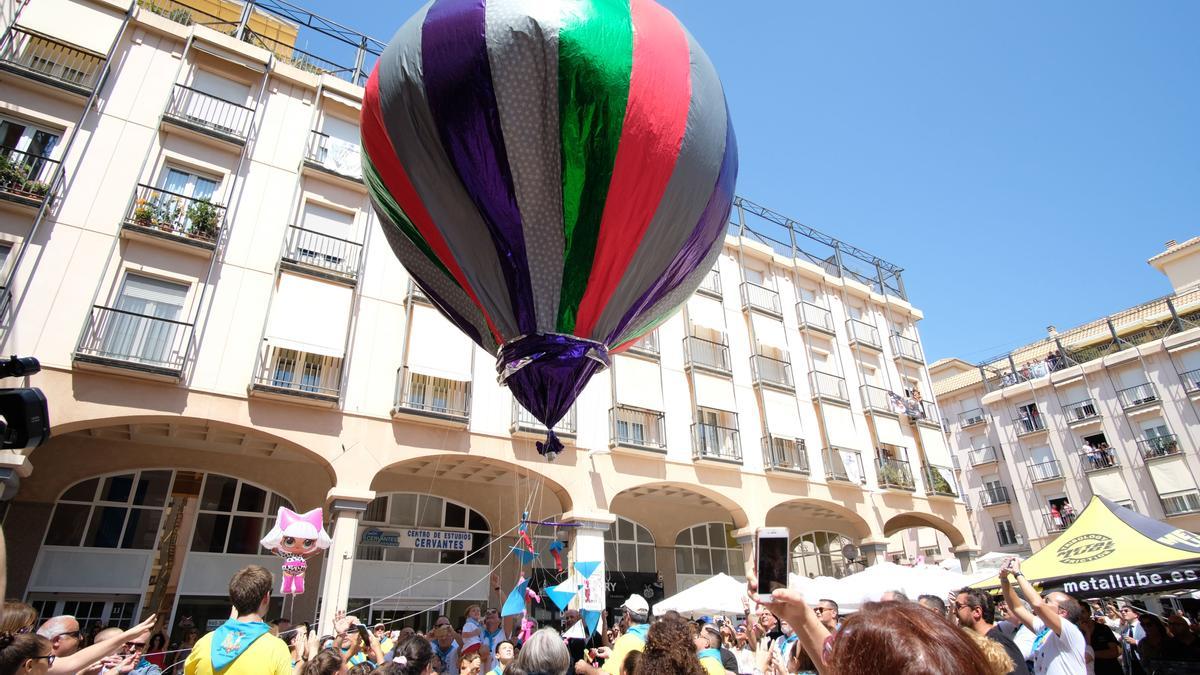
189,250
1107,408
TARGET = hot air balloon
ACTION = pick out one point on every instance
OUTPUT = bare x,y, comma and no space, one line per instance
556,176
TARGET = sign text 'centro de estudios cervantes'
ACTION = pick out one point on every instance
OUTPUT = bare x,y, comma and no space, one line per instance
421,539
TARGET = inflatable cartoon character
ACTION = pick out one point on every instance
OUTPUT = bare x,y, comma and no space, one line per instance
296,537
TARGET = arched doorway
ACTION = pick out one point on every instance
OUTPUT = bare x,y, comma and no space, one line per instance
923,537
819,554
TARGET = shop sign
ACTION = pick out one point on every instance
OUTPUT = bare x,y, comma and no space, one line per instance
425,540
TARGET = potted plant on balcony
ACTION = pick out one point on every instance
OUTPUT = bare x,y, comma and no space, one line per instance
939,484
202,215
143,214
13,176
892,476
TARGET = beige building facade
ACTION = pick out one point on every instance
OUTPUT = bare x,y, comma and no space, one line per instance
190,252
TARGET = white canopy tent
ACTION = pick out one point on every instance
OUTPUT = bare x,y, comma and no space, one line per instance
720,594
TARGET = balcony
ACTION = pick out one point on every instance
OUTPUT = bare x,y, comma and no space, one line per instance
939,481
879,400
1029,424
293,375
49,61
1191,382
815,317
26,178
322,255
717,443
1180,503
1137,397
969,418
209,115
844,465
334,156
425,396
895,474
1099,460
647,345
1082,412
828,387
1158,447
115,338
772,372
523,421
172,217
985,455
789,455
637,428
863,334
907,349
415,294
761,298
1054,525
711,286
1044,472
994,496
706,354
926,412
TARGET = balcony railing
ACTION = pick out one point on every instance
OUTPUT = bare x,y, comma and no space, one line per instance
785,454
862,332
994,496
290,371
815,317
1159,446
760,297
710,441
637,428
985,455
878,399
1081,411
1029,423
175,214
26,177
1045,471
322,252
1054,525
433,396
415,294
1133,397
829,386
844,464
1178,503
1191,381
939,480
907,348
334,155
188,14
195,108
523,420
894,474
711,284
706,353
140,342
767,370
1098,459
45,58
647,344
926,412
969,418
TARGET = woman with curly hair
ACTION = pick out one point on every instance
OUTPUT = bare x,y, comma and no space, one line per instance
669,650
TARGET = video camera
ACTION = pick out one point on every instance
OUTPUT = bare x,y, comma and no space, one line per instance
26,418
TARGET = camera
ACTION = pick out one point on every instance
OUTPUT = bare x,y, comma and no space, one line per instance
25,417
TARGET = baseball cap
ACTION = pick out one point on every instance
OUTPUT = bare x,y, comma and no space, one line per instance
636,604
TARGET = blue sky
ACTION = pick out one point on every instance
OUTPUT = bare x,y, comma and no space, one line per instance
1020,160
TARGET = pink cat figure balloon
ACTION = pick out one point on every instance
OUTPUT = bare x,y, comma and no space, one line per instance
296,537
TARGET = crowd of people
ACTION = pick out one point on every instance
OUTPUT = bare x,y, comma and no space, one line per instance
967,633
1034,369
1099,456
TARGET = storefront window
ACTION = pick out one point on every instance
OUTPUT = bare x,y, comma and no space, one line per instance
628,547
708,548
819,554
387,516
234,515
117,511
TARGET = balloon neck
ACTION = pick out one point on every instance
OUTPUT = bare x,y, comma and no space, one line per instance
551,447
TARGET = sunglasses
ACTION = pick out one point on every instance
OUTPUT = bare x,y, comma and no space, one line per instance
49,659
135,645
71,633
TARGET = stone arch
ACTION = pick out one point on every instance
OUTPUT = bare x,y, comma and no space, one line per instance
675,494
806,514
904,521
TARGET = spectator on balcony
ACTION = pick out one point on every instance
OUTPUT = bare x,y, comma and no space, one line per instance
1068,514
1106,455
1056,517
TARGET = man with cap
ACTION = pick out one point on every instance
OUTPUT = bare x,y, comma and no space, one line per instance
633,637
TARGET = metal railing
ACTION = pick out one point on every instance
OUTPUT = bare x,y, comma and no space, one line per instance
1044,471
1177,503
907,347
334,155
939,480
844,464
180,215
295,372
1054,525
927,412
524,420
828,385
861,331
434,395
1079,411
323,252
1098,459
647,344
785,454
895,474
186,14
771,371
214,113
1191,381
1159,446
136,339
415,293
986,455
637,427
26,175
814,316
711,284
969,418
1142,394
994,496
877,399
760,297
1029,423
700,352
710,441
46,57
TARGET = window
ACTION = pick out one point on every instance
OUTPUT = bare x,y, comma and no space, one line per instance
117,511
406,509
819,554
5,251
26,151
1005,533
753,276
26,138
234,515
628,547
145,328
707,549
1155,428
810,295
190,185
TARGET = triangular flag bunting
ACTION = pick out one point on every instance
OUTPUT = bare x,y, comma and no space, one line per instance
515,603
585,569
591,617
575,632
561,594
524,555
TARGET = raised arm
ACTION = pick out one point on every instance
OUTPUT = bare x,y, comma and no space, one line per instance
1016,608
1047,613
789,605
69,665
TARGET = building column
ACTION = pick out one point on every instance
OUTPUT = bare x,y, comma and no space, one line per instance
966,558
745,538
875,552
346,509
587,545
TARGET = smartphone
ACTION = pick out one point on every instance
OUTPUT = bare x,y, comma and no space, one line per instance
771,560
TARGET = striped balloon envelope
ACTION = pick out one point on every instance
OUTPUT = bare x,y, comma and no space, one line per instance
556,176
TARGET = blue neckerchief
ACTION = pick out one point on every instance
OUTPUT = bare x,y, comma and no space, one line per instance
1041,637
787,642
638,631
490,636
442,653
232,638
711,654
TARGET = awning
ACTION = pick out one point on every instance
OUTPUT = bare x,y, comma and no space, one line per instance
1111,550
782,417
707,313
639,382
437,348
310,315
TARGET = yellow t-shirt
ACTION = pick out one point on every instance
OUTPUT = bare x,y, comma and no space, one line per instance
620,649
268,655
712,666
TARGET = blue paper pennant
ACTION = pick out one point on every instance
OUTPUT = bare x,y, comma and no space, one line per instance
515,603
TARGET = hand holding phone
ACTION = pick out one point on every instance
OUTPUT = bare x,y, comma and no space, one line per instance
771,560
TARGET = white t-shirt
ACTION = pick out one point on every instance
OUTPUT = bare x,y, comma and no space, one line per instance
1020,635
1059,654
468,626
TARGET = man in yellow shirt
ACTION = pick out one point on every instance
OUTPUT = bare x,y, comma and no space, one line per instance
708,647
243,645
637,613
